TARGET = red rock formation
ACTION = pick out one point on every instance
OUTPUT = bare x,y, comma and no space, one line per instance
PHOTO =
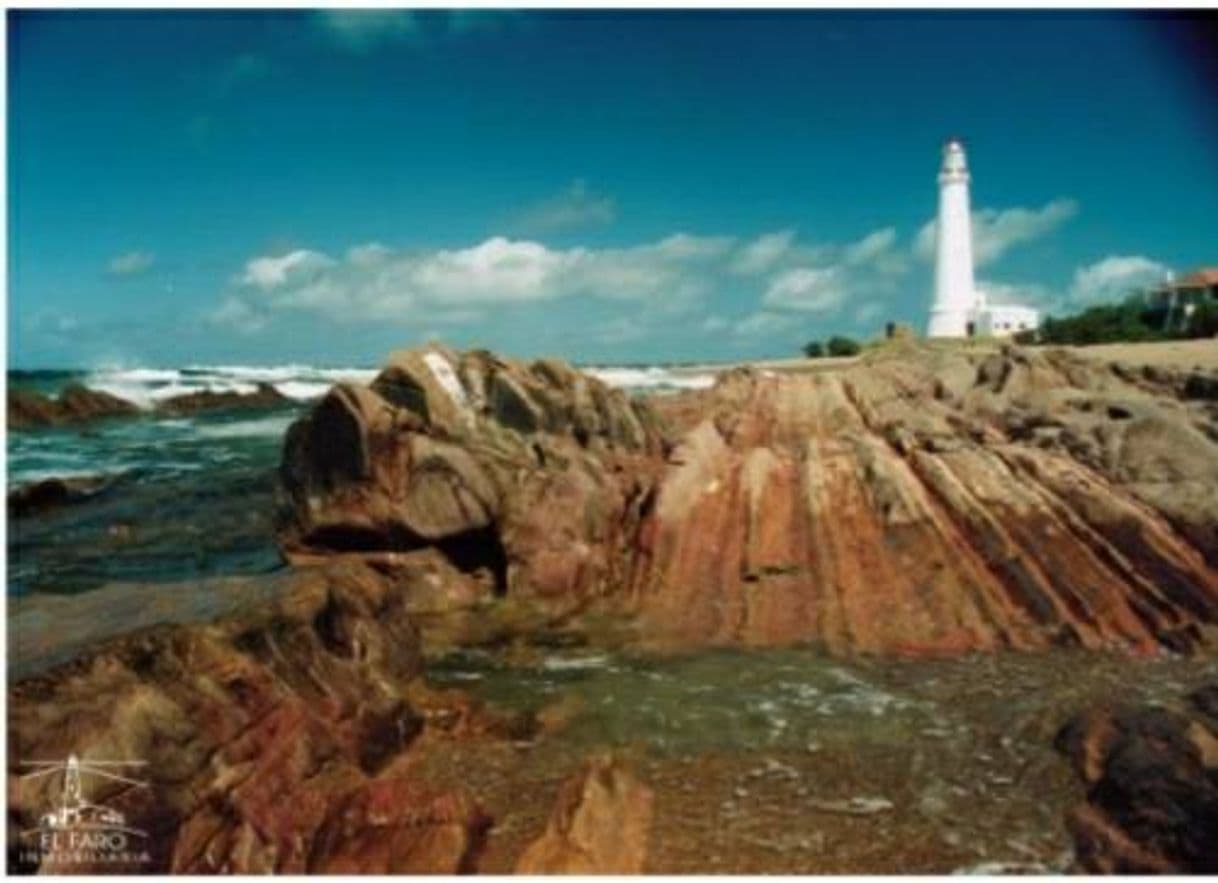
599,825
270,737
935,503
919,501
526,474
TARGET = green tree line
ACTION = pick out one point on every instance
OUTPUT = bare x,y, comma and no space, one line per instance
1130,321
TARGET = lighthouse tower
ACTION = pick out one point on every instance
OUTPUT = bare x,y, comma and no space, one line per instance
955,296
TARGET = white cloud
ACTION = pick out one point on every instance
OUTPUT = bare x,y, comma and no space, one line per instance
809,289
576,206
496,270
871,246
234,313
772,279
375,283
763,252
360,30
275,272
997,232
1015,293
764,324
131,263
363,30
666,280
369,254
1114,278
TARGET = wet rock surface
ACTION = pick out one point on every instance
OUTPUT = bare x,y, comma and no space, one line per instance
787,761
51,493
1151,775
75,404
264,396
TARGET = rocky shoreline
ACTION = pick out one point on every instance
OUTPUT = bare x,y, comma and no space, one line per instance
76,404
916,504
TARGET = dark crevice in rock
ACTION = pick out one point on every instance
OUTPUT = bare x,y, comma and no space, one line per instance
468,551
336,448
477,549
402,390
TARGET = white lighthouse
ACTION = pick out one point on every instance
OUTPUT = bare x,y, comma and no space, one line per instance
955,295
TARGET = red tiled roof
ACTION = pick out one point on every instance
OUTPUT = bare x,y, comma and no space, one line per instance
1205,277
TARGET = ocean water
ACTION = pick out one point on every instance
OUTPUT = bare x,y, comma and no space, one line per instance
186,496
174,446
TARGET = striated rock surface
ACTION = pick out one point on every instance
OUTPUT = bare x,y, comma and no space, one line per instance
1151,776
930,501
272,737
599,825
528,476
75,404
919,501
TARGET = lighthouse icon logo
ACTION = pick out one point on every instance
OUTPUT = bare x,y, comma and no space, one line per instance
77,831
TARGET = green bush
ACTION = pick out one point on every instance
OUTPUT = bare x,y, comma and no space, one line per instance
1107,323
814,349
1204,321
843,346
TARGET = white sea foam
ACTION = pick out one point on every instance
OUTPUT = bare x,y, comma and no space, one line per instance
260,427
147,395
651,378
146,387
574,663
302,390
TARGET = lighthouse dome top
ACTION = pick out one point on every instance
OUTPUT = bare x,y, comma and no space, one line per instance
954,161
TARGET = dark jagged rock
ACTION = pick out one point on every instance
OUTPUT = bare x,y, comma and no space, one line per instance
51,493
78,404
1151,776
75,404
264,396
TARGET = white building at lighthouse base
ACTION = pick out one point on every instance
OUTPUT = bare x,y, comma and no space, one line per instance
1001,320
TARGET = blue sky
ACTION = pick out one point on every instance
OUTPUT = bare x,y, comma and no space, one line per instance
324,187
